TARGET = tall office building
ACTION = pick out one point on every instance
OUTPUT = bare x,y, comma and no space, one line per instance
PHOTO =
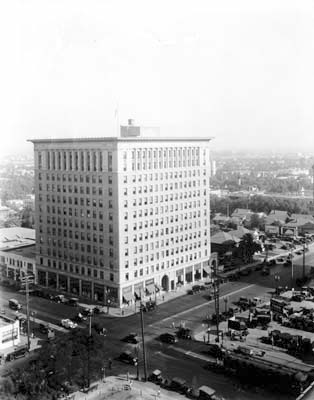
120,218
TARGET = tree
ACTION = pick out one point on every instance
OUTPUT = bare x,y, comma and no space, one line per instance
248,247
61,363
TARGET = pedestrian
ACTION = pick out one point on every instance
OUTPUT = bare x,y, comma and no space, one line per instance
158,393
163,297
173,326
204,338
110,363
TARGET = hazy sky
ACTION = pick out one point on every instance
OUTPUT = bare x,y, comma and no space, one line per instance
241,71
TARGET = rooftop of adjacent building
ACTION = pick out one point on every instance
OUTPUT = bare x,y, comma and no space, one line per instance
5,321
16,237
25,251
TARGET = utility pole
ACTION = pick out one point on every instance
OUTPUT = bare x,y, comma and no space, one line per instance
313,183
27,313
88,347
143,342
26,280
303,270
216,298
291,269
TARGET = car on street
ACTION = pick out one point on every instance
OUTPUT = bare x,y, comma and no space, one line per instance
131,338
128,358
265,271
184,333
60,298
245,272
168,338
259,267
43,328
79,318
68,324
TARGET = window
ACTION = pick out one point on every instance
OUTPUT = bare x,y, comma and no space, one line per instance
110,162
111,277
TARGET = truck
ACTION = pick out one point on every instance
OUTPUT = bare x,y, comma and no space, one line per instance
18,352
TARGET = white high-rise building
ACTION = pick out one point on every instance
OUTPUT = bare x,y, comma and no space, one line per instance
120,218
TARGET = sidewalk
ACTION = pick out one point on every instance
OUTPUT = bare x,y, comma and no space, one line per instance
162,297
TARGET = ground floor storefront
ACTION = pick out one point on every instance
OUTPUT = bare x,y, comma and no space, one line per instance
148,288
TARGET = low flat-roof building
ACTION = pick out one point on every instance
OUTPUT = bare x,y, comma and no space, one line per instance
9,332
17,253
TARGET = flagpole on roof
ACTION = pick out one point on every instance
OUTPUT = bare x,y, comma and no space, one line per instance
117,119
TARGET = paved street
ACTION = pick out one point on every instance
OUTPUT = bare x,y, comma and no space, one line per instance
188,309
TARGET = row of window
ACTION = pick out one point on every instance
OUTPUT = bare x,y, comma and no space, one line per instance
73,160
139,178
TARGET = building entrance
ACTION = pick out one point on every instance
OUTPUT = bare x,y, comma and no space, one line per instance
165,283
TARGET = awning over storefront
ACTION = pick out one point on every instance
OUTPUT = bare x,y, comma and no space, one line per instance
137,292
206,268
158,287
127,296
150,288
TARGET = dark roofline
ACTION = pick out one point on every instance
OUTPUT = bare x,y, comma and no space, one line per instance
120,139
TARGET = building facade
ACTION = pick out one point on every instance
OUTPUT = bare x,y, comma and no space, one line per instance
121,218
9,333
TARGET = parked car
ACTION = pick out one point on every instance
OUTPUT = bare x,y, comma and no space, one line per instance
128,358
259,267
184,333
18,352
156,377
168,338
131,338
149,306
214,350
196,289
179,385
